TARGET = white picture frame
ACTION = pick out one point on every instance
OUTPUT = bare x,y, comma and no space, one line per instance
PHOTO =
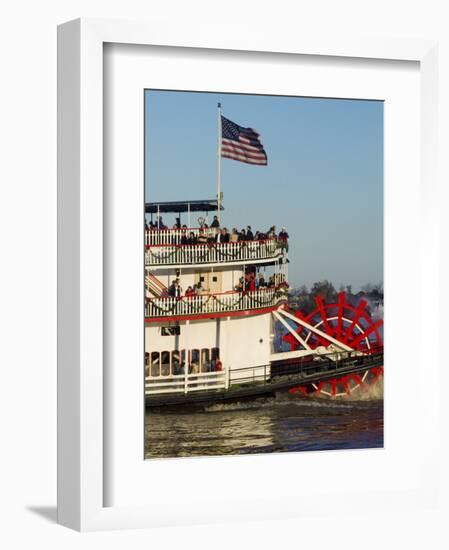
81,404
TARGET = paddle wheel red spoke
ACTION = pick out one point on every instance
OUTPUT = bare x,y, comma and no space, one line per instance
345,322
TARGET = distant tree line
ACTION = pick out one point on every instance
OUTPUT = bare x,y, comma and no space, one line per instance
304,298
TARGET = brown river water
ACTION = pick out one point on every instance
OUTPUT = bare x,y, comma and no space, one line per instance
275,424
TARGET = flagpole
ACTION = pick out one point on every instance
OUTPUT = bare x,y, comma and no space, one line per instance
219,130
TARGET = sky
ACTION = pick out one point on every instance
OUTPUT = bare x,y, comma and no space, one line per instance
323,182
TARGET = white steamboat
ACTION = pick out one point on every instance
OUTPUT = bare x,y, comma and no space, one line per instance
217,343
222,334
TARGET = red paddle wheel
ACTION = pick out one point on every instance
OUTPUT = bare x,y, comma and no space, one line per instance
349,324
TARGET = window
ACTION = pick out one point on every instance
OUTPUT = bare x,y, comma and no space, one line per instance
171,331
155,364
194,360
175,362
147,364
215,354
205,363
165,363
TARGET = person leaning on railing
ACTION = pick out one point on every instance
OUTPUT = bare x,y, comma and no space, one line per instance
261,281
222,236
283,238
202,237
190,295
172,289
234,237
192,239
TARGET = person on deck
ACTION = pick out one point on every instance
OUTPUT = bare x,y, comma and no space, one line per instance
222,236
249,234
178,288
252,283
234,236
283,238
283,235
199,289
240,286
192,239
272,232
215,222
202,237
172,289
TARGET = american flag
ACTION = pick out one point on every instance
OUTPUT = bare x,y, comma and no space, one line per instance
241,144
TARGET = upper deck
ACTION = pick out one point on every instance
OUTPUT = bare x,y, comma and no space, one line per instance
170,247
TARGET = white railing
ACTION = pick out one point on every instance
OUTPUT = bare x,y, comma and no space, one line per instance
182,383
215,303
158,237
213,252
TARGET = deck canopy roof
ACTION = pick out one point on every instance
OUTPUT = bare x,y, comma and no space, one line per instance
177,207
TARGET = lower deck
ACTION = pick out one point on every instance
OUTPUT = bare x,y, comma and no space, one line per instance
209,348
252,382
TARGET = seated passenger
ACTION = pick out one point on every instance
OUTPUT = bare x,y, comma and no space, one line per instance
192,239
194,368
